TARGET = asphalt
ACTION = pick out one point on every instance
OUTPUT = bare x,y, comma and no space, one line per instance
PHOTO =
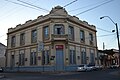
116,73
3,76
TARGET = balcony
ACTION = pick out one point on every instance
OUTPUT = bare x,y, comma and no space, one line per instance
59,37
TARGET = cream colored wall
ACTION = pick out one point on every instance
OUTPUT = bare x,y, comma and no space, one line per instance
27,56
9,41
86,31
77,34
16,55
94,39
78,61
66,56
39,33
66,28
28,37
51,28
87,54
17,44
39,28
52,54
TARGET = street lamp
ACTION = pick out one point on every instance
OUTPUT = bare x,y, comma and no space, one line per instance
116,33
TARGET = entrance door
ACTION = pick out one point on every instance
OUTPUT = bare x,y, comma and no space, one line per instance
59,60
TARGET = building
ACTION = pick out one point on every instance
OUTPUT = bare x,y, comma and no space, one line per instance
2,55
54,42
109,57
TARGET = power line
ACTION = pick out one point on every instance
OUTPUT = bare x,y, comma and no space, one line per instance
94,7
33,5
11,11
21,4
104,30
86,6
65,5
70,3
106,35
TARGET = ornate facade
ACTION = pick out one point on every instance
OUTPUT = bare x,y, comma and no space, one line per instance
54,42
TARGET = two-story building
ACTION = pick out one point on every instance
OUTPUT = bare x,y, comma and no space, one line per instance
54,42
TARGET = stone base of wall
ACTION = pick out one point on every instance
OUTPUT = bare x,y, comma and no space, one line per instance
39,69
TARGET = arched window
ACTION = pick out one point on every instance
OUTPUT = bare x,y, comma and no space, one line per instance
59,29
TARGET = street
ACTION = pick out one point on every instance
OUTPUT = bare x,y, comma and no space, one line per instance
109,74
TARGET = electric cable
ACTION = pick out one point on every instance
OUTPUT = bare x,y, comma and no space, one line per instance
21,4
86,6
33,5
94,7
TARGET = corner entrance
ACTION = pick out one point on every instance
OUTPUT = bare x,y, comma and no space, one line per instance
59,58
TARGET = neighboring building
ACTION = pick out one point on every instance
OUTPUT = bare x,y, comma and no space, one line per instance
2,54
109,57
54,42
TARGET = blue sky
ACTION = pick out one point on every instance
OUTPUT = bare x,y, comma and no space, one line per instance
14,14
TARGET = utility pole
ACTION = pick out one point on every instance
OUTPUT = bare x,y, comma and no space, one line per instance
116,33
118,40
103,46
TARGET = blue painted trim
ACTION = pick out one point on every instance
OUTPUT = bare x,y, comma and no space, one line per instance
39,68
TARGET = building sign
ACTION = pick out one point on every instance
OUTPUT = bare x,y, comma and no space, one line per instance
59,46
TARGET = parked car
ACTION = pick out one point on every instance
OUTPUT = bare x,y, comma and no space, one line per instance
81,67
114,66
1,70
84,67
98,67
91,66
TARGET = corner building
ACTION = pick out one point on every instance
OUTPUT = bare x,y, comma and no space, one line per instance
54,42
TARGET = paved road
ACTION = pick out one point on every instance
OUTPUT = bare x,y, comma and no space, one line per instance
109,74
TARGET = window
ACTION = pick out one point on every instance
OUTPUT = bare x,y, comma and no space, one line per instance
22,39
71,33
46,32
34,36
46,57
59,29
33,58
92,57
21,58
72,57
13,41
83,56
91,36
82,35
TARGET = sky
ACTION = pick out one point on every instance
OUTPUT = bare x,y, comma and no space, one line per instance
12,14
